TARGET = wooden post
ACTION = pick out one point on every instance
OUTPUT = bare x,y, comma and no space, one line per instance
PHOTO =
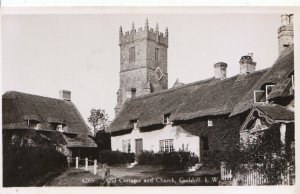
68,161
77,160
95,167
86,164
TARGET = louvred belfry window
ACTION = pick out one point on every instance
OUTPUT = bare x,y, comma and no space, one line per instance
132,54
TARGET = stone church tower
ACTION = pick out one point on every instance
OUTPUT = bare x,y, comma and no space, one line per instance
143,63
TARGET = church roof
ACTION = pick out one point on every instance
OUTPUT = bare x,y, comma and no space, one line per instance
203,98
17,107
280,71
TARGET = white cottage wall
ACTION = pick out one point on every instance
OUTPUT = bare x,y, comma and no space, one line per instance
151,139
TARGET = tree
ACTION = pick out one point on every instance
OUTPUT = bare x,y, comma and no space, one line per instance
99,120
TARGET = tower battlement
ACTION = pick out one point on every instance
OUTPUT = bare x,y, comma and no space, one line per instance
144,33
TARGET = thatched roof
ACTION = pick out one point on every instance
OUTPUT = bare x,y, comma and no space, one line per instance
280,71
276,112
17,107
204,98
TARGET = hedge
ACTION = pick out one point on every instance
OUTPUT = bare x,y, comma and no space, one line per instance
115,157
23,165
174,160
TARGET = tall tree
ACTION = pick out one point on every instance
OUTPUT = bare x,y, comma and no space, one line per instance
99,120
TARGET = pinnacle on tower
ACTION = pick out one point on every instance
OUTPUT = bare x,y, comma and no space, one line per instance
167,32
120,29
146,23
133,28
157,28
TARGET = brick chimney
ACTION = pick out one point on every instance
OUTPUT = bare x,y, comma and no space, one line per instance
285,32
65,95
220,70
247,65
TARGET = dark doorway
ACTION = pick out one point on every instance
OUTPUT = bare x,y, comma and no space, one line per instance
138,147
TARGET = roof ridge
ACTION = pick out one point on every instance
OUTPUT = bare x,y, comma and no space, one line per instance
40,96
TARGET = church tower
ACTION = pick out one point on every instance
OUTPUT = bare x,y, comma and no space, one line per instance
143,62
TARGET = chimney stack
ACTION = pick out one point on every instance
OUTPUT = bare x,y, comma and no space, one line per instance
65,95
247,65
285,32
220,70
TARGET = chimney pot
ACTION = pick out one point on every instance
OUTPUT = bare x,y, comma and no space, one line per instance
220,70
247,65
65,95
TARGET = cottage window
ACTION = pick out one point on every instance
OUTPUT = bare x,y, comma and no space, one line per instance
209,123
132,54
126,146
166,145
166,119
156,54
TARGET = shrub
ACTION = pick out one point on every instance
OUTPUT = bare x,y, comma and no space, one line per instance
174,160
22,165
115,157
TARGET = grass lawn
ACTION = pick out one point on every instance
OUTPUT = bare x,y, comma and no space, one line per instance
137,176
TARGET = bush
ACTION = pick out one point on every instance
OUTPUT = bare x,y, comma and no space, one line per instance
174,160
22,165
115,157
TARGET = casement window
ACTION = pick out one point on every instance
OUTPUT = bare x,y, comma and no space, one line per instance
134,124
261,96
166,145
166,119
132,54
156,54
209,123
126,146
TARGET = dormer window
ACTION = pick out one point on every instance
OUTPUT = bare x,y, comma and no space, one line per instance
209,123
166,119
134,124
261,96
33,124
57,127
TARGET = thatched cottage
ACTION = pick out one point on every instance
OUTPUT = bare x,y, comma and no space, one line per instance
203,117
33,120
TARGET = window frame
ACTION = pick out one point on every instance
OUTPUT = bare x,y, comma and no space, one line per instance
126,146
166,119
209,123
166,145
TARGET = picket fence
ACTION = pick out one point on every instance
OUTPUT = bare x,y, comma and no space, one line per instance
253,177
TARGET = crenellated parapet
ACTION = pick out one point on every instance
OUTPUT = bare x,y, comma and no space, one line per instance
144,33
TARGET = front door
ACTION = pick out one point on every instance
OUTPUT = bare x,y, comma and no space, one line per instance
138,146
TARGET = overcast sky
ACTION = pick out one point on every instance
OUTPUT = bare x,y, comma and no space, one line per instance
43,54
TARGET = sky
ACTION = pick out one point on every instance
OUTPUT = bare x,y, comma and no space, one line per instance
42,54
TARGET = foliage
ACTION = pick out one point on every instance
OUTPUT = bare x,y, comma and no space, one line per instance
263,153
115,157
23,164
99,120
103,140
174,160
